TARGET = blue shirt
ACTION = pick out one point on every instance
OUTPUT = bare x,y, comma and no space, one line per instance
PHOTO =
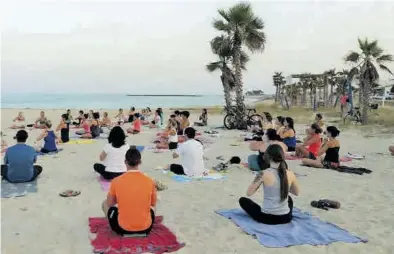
20,160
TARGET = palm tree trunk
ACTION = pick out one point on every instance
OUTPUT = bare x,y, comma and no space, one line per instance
276,93
239,97
226,90
303,98
332,94
325,91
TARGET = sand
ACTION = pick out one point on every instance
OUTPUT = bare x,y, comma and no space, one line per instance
43,222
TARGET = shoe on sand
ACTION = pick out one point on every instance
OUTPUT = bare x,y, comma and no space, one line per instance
331,203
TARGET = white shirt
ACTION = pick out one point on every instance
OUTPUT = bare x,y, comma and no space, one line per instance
192,157
173,138
114,162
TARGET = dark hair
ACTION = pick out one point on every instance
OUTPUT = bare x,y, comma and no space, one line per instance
81,112
117,137
204,111
157,111
86,116
65,116
132,108
190,132
333,131
172,116
319,116
148,108
21,136
48,124
290,122
68,110
268,116
272,135
177,112
96,115
275,153
137,115
186,113
121,109
280,119
133,157
317,128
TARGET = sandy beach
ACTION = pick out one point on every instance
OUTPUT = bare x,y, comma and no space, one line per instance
44,223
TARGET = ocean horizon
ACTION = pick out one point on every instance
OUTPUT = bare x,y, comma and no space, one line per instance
105,100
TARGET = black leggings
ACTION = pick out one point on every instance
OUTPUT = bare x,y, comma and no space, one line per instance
112,216
36,172
100,168
177,169
254,211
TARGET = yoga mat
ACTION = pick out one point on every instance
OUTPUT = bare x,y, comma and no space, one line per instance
102,136
187,179
80,142
291,158
303,229
50,153
140,148
159,240
11,190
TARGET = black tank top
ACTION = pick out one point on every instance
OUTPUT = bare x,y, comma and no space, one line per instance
65,134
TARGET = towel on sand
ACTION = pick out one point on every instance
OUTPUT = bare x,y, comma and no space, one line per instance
80,142
10,190
105,184
186,179
342,159
160,239
303,229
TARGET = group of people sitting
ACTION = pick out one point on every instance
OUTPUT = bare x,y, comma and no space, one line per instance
313,147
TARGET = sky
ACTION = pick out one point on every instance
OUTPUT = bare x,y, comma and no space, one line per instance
163,46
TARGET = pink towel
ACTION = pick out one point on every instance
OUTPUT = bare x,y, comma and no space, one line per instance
105,184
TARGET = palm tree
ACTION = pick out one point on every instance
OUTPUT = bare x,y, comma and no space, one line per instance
279,80
243,28
370,56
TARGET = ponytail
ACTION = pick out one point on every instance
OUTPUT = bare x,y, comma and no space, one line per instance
284,183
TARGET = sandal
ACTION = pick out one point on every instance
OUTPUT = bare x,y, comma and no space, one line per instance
160,186
69,193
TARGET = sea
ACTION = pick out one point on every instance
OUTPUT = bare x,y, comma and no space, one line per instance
104,101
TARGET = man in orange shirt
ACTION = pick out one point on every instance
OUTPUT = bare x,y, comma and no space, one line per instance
135,195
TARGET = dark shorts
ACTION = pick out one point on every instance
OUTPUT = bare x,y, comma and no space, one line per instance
291,149
173,145
177,169
112,216
43,150
311,156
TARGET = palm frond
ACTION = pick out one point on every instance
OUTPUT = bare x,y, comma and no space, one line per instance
255,41
385,58
241,14
222,46
376,51
214,66
362,44
385,68
224,14
244,59
352,57
221,26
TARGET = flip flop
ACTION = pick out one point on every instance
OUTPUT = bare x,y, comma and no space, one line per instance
69,193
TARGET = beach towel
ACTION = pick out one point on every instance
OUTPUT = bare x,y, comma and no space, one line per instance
291,157
102,136
187,179
140,148
11,190
160,239
303,229
79,142
355,156
50,153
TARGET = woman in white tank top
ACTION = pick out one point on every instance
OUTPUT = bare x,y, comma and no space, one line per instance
171,141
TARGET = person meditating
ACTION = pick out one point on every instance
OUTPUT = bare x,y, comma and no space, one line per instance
70,118
50,139
156,122
192,155
136,124
203,119
120,117
312,143
113,155
19,121
170,138
287,134
106,121
134,193
331,148
40,122
19,161
277,183
64,128
184,122
80,119
319,120
256,162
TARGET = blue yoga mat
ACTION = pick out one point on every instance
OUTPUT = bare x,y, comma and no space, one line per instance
140,148
50,153
10,190
303,229
186,179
